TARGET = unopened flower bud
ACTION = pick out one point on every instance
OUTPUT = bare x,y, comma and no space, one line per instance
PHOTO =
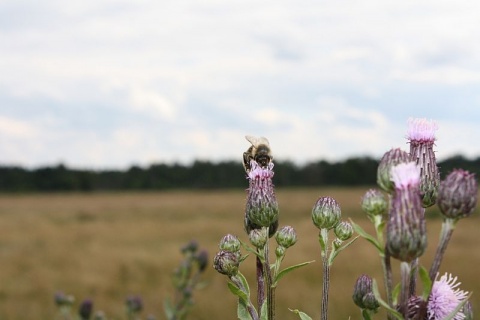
457,196
286,237
337,243
280,251
226,262
62,299
230,243
406,229
192,247
85,309
390,159
202,260
258,238
326,213
99,315
374,203
262,207
134,304
421,136
343,230
363,294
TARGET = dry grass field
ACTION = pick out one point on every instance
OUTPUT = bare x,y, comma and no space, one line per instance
106,246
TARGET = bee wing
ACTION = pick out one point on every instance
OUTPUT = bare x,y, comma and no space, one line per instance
255,141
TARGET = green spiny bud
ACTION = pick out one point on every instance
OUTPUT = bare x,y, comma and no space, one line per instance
343,230
202,258
326,213
457,196
337,243
286,237
258,238
390,159
226,262
363,294
280,252
230,243
374,203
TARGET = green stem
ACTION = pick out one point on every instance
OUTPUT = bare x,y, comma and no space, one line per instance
326,273
260,284
448,226
404,291
251,309
268,285
387,279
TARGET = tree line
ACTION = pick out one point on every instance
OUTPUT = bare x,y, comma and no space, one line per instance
202,175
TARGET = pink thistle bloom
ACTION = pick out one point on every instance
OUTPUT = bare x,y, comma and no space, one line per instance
444,298
421,130
405,175
259,172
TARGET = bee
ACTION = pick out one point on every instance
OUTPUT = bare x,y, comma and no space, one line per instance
258,151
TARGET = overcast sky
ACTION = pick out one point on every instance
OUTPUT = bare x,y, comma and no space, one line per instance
109,84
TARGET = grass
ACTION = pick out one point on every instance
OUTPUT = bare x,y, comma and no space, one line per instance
106,246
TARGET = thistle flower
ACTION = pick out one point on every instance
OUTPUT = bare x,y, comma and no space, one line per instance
444,298
258,238
343,230
230,243
326,213
421,136
262,207
390,159
202,258
226,262
85,309
363,294
457,195
286,237
406,230
374,203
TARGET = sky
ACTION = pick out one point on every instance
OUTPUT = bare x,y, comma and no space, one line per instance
111,84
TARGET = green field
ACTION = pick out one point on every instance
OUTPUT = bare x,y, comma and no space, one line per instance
106,246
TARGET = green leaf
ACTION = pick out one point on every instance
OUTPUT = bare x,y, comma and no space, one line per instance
242,310
237,291
285,271
336,252
392,311
452,314
168,308
366,236
264,311
245,283
302,315
396,293
426,282
251,250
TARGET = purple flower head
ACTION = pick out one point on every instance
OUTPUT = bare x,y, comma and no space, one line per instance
421,136
390,159
444,298
457,195
262,207
406,229
421,130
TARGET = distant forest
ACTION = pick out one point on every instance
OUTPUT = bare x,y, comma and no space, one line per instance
202,175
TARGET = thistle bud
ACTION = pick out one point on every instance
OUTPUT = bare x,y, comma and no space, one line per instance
258,238
457,195
191,247
134,304
390,159
406,229
226,262
421,136
374,203
468,310
326,213
202,260
262,207
62,299
363,294
286,237
280,252
85,309
343,230
230,243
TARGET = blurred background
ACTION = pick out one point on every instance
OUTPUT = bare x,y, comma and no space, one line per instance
122,129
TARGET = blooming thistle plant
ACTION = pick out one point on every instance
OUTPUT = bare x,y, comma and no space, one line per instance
409,183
